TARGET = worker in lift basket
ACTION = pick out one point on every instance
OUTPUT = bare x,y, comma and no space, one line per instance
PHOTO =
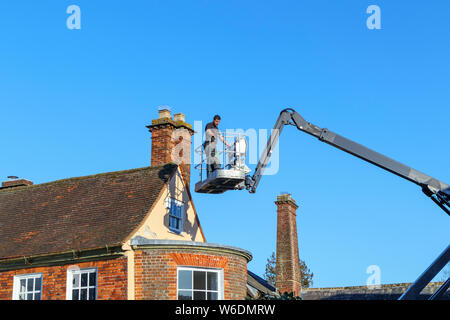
211,135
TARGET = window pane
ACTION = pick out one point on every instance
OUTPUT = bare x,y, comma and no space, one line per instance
184,295
75,294
30,284
212,281
84,277
23,285
199,295
76,280
37,284
29,296
92,279
22,296
212,296
172,222
83,294
174,211
37,296
200,280
92,294
184,279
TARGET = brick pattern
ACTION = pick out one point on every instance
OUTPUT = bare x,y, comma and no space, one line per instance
162,144
288,276
171,143
187,259
156,272
111,280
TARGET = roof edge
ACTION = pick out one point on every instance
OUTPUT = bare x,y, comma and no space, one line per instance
144,243
262,281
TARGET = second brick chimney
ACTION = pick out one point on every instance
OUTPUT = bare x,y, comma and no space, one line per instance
16,182
288,277
171,141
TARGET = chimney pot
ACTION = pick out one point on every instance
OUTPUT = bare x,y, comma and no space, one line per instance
166,137
286,198
164,113
179,117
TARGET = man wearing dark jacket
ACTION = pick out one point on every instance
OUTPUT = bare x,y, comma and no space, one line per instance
212,134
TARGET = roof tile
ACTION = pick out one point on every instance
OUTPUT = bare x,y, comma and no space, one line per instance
77,213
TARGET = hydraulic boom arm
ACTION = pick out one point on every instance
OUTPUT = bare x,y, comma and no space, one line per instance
438,191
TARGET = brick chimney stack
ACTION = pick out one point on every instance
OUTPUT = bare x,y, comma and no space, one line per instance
288,277
15,182
171,141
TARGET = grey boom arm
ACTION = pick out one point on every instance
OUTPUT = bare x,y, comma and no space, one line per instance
438,191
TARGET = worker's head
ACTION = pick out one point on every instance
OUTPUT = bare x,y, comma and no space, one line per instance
216,120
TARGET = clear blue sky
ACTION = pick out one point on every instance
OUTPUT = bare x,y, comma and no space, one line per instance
76,102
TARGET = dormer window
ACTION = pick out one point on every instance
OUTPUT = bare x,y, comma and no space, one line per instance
176,215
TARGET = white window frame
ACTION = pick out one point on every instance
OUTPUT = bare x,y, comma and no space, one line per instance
181,204
220,280
69,283
16,284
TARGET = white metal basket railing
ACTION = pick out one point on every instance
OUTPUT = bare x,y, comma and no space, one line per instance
232,158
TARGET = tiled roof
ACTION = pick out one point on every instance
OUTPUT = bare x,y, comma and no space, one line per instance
77,213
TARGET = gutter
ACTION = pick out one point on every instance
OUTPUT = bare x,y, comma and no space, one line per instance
47,260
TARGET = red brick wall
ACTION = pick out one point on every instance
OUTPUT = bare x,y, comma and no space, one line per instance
156,272
172,144
111,280
162,144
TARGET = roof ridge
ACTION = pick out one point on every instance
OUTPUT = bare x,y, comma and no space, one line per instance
397,284
120,172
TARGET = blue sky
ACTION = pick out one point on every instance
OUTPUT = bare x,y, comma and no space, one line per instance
76,102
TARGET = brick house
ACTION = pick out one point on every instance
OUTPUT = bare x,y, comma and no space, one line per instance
135,234
131,234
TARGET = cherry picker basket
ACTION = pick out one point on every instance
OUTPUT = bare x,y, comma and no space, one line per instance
225,169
